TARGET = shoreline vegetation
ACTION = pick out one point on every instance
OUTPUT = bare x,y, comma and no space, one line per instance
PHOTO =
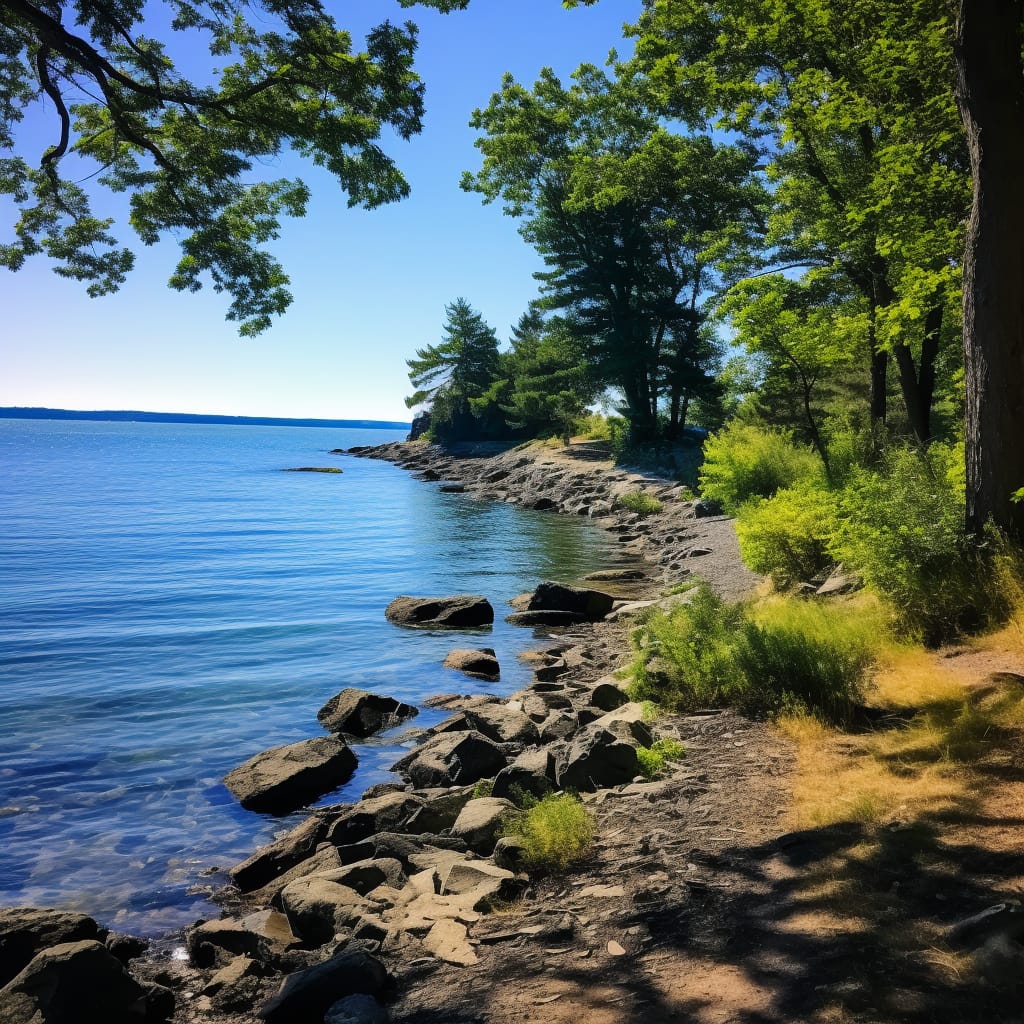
620,834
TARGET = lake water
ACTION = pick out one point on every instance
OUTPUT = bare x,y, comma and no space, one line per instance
171,604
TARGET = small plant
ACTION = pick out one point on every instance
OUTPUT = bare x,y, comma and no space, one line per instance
555,832
652,759
483,788
640,503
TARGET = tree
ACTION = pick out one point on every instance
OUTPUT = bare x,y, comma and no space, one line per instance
989,36
286,77
850,105
628,217
458,372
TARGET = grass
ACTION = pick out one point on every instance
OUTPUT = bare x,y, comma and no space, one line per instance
653,759
641,503
555,832
772,656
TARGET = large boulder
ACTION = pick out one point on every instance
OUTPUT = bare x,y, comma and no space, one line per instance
480,664
591,604
452,759
532,772
481,822
318,908
26,931
73,983
596,759
460,611
283,779
388,813
273,860
503,724
358,1009
307,995
359,713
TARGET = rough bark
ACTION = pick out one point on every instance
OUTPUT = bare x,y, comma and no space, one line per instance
918,384
990,91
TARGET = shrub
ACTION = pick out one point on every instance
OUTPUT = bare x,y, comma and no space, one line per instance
652,759
640,503
787,536
744,461
483,788
556,831
785,655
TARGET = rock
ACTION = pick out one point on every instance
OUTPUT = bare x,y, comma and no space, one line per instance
419,853
481,882
271,861
510,854
616,576
480,664
608,694
447,940
388,813
559,725
627,722
317,908
481,822
452,487
520,603
219,942
707,507
591,604
26,931
596,759
361,714
326,858
440,810
125,947
459,758
532,772
549,673
420,425
461,611
503,724
544,618
839,582
358,1009
307,995
73,983
227,977
315,469
366,875
283,779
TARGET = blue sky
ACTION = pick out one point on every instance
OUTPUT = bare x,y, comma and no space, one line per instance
369,286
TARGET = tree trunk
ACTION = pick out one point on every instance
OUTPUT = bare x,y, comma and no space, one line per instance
879,376
990,91
918,387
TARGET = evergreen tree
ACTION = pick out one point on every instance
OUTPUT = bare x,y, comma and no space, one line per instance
453,376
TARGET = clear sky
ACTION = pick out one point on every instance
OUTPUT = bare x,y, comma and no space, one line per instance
369,286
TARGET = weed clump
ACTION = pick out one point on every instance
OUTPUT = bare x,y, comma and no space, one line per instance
555,831
640,503
652,759
781,656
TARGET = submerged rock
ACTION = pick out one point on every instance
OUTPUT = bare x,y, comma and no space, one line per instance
283,779
359,713
314,469
459,611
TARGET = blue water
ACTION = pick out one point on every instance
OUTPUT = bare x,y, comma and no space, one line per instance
171,604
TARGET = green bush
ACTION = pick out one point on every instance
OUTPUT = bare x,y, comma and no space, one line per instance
652,759
745,461
788,536
640,503
555,831
786,655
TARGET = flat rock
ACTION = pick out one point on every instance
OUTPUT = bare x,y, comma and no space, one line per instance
503,724
307,995
388,813
448,941
459,611
615,576
283,779
545,618
359,713
480,882
317,908
590,604
481,664
26,931
459,758
481,822
73,983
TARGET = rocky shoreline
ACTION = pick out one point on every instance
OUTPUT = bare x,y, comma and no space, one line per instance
384,902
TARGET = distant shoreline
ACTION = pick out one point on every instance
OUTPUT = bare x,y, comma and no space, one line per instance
134,416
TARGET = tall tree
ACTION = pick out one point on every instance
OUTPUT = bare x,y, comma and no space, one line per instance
990,34
285,77
628,217
851,106
451,376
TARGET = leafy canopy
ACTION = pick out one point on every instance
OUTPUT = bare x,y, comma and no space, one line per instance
127,119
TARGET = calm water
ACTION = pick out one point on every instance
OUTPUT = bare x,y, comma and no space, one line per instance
171,603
